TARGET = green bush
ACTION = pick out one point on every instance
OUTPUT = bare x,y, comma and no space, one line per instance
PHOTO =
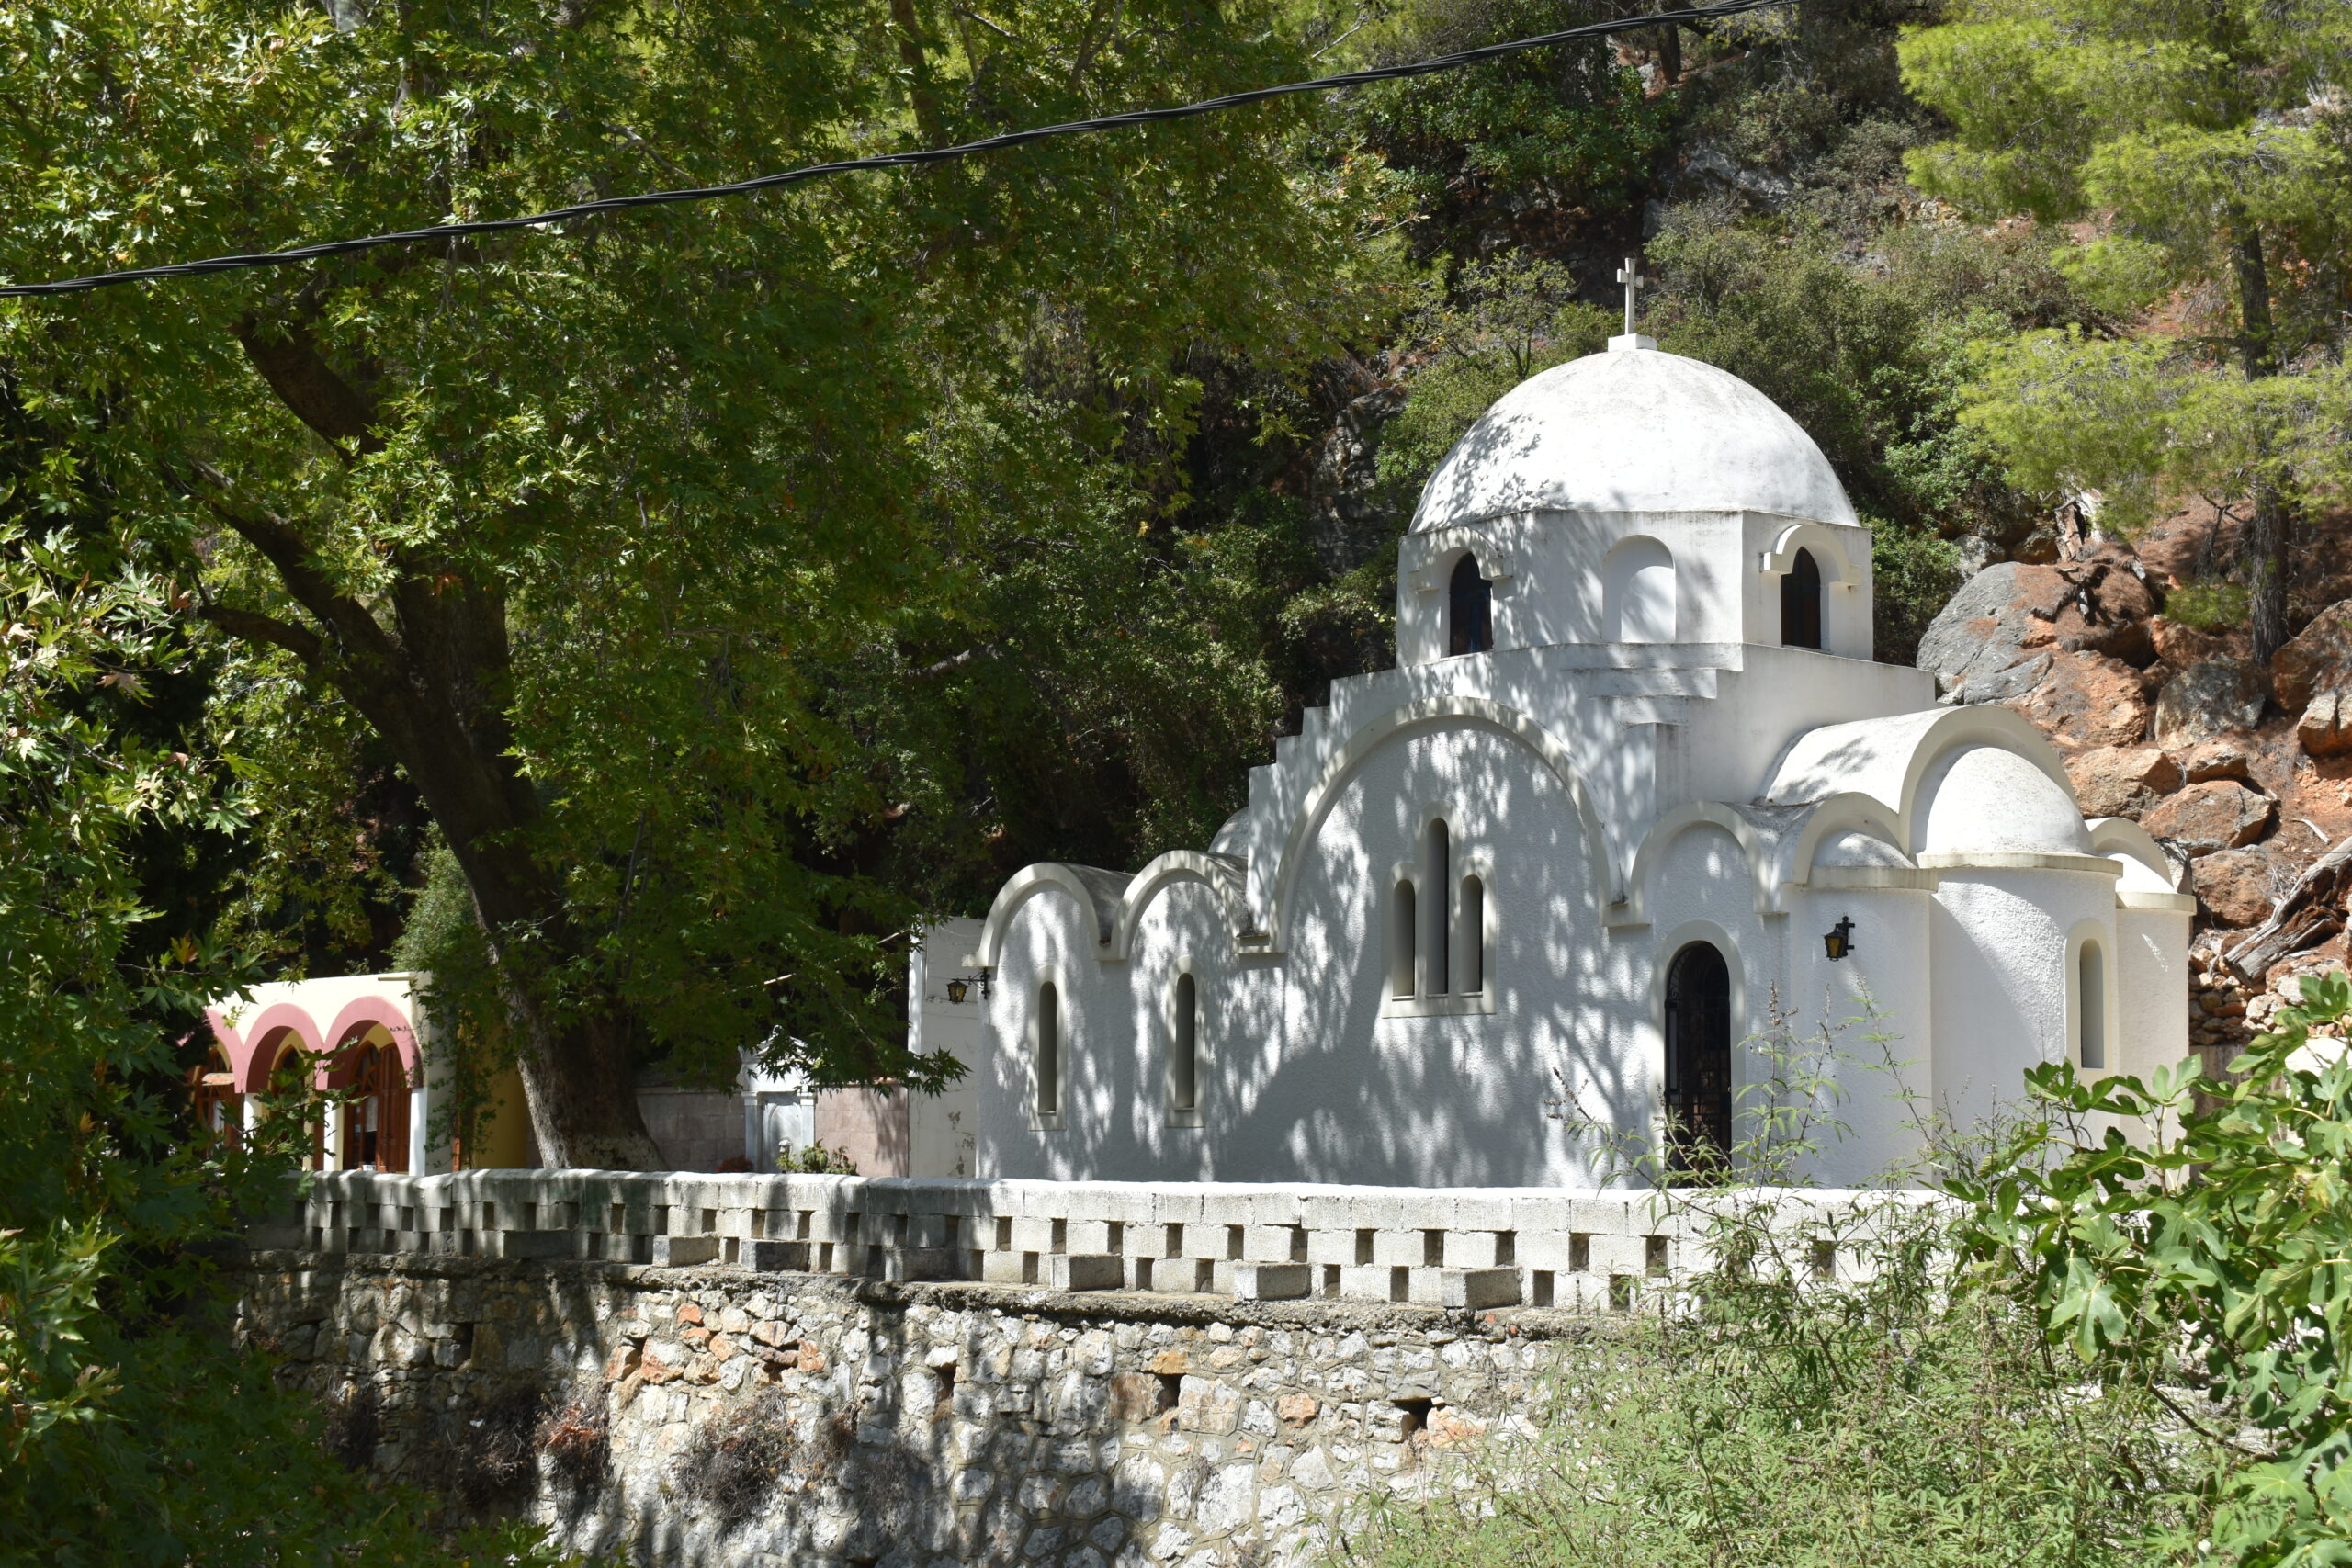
2212,1253
1843,1391
2207,603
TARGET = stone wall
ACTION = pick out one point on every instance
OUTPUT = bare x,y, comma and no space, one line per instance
712,1416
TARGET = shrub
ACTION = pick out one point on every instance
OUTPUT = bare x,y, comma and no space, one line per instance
735,1459
2207,603
577,1440
2214,1250
1842,1392
816,1159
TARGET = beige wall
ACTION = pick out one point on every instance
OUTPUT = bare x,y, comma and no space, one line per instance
870,1126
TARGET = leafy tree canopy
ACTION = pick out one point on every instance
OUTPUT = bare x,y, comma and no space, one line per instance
2199,151
633,547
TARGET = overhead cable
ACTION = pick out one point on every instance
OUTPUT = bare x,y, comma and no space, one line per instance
1695,13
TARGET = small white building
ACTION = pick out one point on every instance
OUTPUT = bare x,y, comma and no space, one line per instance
1635,769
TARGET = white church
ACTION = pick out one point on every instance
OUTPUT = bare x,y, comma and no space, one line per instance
1636,782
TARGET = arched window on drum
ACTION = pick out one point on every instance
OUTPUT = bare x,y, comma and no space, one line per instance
1637,592
1470,610
1801,602
2090,1007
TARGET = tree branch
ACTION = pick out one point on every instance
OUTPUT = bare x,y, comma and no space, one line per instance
288,359
348,621
255,626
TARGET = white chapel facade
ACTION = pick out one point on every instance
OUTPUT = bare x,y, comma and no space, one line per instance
1634,777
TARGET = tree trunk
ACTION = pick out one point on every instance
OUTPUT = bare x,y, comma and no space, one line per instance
2270,540
433,686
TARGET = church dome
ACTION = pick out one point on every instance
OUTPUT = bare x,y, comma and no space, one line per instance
1989,800
1632,430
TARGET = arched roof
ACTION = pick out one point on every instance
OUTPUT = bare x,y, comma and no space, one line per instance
1893,762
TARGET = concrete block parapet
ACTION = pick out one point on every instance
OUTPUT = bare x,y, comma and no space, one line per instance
1470,1249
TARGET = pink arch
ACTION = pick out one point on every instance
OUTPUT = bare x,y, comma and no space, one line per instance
261,1037
378,1010
225,1034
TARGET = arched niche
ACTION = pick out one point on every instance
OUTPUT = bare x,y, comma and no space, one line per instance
1637,592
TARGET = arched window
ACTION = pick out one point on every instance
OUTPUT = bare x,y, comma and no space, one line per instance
1801,602
1470,610
213,1098
1437,876
1637,592
291,1081
1470,938
1403,934
2090,1007
1048,1055
1698,1059
1185,1047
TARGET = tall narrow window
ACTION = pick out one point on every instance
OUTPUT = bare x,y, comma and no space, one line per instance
1470,938
1470,610
2090,1008
1801,602
1698,1059
1185,1047
1403,930
1437,876
1049,1050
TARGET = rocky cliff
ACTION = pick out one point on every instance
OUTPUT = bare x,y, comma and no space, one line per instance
2241,769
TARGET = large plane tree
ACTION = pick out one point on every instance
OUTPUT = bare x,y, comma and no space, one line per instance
578,523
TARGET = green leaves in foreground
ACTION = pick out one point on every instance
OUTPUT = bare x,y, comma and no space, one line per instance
132,1432
2186,1218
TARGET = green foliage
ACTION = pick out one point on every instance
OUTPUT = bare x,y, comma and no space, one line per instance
471,1045
1862,1424
1506,319
2188,1220
2146,419
2198,151
2207,603
733,477
816,1159
2179,124
1827,1391
1514,147
131,1432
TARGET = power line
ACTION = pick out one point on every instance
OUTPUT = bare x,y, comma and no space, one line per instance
883,160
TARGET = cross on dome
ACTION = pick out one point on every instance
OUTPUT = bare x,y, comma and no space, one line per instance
1630,274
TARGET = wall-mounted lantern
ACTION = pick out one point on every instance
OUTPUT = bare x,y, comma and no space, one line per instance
1838,940
961,985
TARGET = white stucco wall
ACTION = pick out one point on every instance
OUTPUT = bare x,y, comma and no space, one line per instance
2003,978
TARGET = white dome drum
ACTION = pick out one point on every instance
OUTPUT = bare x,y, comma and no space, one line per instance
1632,430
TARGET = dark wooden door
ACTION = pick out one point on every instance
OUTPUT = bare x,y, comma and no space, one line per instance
1698,1058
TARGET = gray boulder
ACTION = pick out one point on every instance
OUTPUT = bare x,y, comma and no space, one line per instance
2211,697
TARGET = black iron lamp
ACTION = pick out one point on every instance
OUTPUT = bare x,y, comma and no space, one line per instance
961,985
1838,940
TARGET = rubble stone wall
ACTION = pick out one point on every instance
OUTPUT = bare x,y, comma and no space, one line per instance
711,1415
